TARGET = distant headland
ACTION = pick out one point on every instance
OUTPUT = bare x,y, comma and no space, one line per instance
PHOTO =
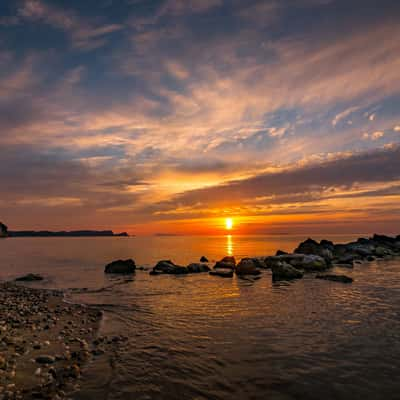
4,232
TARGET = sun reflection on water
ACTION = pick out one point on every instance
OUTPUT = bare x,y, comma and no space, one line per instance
229,245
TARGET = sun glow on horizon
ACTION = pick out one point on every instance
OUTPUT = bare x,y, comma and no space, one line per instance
228,223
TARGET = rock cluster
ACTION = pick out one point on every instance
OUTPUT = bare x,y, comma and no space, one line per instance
170,268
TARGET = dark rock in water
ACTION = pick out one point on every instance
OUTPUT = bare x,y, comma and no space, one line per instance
168,267
3,230
308,262
247,266
197,268
346,259
259,262
327,244
280,253
370,258
222,272
226,262
284,271
363,241
335,278
203,259
120,267
29,278
310,246
384,239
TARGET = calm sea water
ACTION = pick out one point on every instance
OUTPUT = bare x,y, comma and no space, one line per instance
203,337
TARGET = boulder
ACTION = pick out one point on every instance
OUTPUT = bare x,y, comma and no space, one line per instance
203,259
335,278
310,246
313,262
168,267
120,267
3,230
197,267
284,271
260,262
247,266
280,253
308,262
226,262
222,272
381,252
383,239
29,278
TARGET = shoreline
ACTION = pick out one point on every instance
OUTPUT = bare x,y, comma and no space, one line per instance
44,342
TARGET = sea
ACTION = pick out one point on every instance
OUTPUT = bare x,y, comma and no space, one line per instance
203,337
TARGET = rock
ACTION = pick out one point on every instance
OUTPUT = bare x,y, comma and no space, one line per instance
308,262
45,359
226,262
312,247
313,262
3,230
370,258
222,272
381,252
384,239
120,267
335,278
29,278
260,262
197,267
280,253
247,266
203,259
284,271
168,267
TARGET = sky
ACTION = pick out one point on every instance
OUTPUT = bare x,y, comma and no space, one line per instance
169,116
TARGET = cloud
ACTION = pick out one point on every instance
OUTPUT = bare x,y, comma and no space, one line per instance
396,128
84,34
343,115
313,182
374,135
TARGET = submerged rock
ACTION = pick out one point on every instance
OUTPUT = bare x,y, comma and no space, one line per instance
120,267
335,278
226,262
247,266
29,278
222,272
197,268
284,271
168,267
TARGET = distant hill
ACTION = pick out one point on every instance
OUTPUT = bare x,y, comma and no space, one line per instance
63,233
4,232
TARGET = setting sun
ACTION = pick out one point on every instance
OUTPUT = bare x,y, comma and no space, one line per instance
229,223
